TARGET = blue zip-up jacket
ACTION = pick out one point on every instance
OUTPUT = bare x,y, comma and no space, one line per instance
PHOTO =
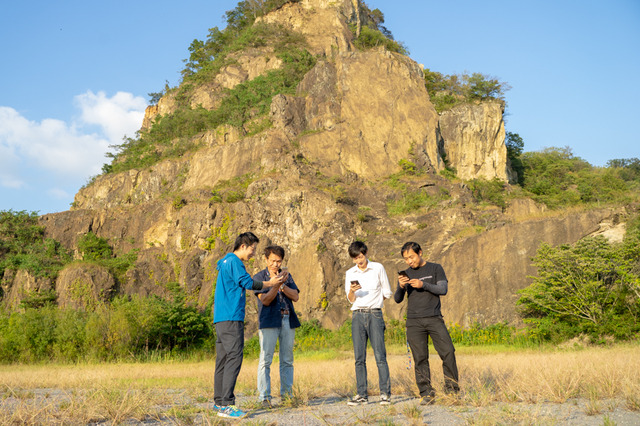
231,285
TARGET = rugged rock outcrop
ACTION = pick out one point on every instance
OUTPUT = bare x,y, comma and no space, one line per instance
324,23
20,285
367,111
472,137
83,285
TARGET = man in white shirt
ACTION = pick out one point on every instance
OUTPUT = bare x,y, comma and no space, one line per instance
367,285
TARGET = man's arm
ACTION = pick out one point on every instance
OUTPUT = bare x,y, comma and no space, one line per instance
268,297
351,297
290,289
440,288
291,293
398,296
384,281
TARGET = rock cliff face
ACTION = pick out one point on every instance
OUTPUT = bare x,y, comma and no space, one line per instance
317,180
472,136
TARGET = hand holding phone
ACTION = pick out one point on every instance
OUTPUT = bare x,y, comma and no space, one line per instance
403,278
355,285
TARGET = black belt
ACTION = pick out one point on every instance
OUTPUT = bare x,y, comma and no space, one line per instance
367,310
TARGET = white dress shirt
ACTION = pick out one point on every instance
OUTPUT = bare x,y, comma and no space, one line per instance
374,282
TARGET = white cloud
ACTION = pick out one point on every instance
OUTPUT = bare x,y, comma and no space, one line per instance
118,116
65,151
59,194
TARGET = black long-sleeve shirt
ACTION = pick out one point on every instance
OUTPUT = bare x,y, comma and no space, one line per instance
425,301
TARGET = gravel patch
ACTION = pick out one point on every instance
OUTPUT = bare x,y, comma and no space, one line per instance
333,410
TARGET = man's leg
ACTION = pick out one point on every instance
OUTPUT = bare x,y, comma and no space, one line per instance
287,337
231,335
221,359
268,339
359,337
444,346
418,339
376,334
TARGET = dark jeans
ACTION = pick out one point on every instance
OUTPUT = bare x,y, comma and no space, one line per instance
418,332
370,325
229,346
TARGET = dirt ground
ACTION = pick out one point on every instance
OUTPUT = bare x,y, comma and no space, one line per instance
329,410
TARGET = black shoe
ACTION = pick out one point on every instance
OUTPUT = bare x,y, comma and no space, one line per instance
266,404
358,400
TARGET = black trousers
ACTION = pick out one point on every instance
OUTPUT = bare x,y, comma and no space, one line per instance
229,346
418,332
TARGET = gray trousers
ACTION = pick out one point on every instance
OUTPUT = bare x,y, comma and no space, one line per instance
418,332
229,346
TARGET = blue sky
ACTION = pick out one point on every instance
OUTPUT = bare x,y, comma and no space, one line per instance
75,75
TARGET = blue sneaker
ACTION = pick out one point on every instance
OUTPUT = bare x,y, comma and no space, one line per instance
217,407
231,412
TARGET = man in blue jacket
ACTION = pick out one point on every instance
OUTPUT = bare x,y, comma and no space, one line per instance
228,318
278,321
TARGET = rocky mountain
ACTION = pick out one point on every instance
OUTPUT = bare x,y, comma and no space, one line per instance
353,153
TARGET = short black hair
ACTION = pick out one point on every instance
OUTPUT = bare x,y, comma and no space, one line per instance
277,250
410,245
246,238
357,248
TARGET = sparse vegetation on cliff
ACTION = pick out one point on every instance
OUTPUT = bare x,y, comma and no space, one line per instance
171,135
97,250
23,246
447,91
370,32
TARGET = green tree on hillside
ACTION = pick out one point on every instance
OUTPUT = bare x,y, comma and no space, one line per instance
591,287
628,169
557,178
515,147
447,91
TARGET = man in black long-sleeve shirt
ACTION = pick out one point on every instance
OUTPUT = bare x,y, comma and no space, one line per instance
423,283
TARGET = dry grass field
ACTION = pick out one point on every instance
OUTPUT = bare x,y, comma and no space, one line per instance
495,384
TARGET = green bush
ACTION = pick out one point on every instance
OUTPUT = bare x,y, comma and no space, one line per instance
489,191
557,178
92,247
493,334
628,169
590,287
447,91
410,202
371,37
97,250
128,328
23,245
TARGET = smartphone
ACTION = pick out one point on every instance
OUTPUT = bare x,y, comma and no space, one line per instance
402,274
356,282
